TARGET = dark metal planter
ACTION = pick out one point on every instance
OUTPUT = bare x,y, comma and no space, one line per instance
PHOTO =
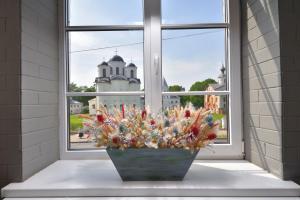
147,164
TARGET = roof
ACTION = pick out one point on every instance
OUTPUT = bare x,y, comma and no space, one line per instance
74,102
131,65
117,58
117,77
103,63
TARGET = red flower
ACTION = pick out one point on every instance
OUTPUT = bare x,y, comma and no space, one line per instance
133,141
144,114
152,122
211,136
195,131
187,114
100,118
116,139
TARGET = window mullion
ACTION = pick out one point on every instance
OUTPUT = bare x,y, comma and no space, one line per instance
152,54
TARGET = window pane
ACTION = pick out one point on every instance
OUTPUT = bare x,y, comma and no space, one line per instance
105,12
192,11
193,60
83,108
106,61
217,104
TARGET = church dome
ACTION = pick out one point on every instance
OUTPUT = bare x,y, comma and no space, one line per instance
131,65
103,63
117,58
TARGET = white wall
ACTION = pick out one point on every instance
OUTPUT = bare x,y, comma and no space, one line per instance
262,84
40,141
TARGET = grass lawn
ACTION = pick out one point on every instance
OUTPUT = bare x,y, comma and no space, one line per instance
75,122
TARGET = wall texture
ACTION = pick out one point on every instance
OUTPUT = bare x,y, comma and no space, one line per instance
289,15
40,141
271,82
10,125
262,84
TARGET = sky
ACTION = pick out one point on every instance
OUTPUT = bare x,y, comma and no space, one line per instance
187,55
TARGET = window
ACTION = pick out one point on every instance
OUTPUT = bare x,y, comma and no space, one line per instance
168,60
131,74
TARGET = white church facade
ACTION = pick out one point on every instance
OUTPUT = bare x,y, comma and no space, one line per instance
115,75
217,103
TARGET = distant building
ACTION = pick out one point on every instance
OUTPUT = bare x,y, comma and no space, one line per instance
75,107
92,106
169,101
115,75
217,104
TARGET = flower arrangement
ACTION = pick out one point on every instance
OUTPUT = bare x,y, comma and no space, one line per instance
179,127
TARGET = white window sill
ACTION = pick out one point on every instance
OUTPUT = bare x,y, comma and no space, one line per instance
95,178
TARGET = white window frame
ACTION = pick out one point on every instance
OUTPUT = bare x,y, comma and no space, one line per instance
152,66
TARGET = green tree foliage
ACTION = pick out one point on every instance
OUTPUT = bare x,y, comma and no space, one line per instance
85,100
198,101
178,88
175,88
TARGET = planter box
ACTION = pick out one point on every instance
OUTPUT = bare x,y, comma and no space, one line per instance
148,164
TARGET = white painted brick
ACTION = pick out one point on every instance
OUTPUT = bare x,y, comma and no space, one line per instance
40,115
37,84
270,95
29,55
267,53
46,61
48,50
270,108
30,69
252,120
274,151
29,41
270,80
34,111
34,138
30,153
252,108
50,4
274,166
251,96
258,146
29,14
29,98
270,122
29,27
36,124
268,39
48,98
48,74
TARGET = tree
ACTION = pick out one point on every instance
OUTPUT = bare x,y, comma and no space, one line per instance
178,88
198,101
85,100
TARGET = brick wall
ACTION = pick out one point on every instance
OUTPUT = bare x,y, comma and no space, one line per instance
289,15
262,88
40,141
10,126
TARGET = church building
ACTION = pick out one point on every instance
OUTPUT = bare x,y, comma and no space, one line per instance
115,75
